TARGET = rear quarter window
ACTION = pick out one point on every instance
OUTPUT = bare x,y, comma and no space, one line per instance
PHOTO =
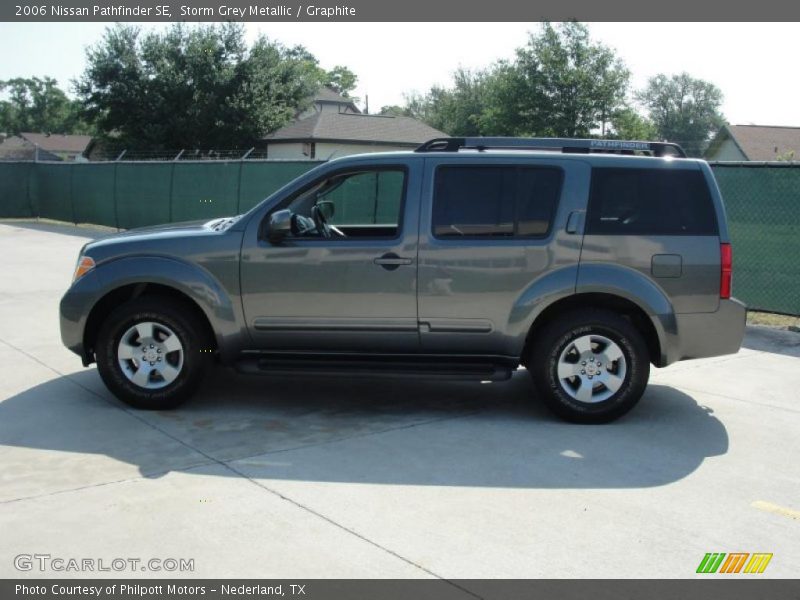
650,202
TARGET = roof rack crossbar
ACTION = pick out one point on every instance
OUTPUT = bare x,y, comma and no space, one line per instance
568,145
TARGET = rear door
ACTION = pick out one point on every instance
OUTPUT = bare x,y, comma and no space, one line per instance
490,226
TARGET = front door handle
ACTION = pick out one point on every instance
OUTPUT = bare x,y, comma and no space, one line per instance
390,261
575,221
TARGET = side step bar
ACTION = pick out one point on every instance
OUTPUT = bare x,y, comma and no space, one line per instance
379,366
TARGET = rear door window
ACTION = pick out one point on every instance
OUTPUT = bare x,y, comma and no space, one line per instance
503,201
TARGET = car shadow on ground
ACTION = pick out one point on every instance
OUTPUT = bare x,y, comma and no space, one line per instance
379,431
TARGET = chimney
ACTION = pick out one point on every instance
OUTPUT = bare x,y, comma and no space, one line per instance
366,104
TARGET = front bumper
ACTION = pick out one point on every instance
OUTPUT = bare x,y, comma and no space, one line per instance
74,311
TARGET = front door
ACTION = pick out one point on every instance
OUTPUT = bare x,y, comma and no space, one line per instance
352,291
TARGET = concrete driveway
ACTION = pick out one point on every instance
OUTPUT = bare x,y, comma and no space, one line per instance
275,477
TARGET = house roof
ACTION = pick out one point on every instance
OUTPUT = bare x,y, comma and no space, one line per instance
17,148
764,142
327,94
57,142
348,127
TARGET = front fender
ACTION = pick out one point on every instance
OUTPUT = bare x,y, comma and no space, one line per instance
222,311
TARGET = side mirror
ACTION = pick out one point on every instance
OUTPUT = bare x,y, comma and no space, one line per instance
327,208
280,225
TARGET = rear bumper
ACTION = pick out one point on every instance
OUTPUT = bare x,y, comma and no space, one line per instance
701,335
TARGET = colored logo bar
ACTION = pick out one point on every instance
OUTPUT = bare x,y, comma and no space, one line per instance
734,562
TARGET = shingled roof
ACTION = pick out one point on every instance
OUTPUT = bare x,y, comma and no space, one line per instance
348,127
55,142
761,142
327,94
18,148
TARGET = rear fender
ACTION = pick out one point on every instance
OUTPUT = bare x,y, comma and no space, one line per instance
541,293
631,285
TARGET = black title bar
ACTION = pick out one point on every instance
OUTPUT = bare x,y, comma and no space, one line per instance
405,10
710,588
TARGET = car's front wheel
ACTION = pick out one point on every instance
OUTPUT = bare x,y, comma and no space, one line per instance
590,366
152,352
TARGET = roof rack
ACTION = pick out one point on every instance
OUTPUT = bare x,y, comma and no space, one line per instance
566,145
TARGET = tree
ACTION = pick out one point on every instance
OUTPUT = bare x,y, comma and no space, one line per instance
341,79
683,110
560,83
37,105
627,124
394,110
198,87
574,84
457,110
417,106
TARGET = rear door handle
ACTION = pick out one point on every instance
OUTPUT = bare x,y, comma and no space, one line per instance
390,261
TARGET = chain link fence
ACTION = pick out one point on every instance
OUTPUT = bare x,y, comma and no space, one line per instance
762,201
126,194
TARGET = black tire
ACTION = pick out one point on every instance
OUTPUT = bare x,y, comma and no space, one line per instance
190,330
559,335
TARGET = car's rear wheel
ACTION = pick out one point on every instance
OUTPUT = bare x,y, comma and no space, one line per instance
152,352
590,366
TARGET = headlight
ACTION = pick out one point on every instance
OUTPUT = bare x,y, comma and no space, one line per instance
85,264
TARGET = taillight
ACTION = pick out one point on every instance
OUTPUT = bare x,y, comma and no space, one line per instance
726,271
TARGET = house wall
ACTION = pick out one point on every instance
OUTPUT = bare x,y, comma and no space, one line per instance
286,151
727,151
326,150
68,156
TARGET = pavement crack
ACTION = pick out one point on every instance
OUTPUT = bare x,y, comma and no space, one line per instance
356,436
124,409
141,477
347,529
731,397
213,460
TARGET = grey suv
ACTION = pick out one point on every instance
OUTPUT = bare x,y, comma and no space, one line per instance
583,260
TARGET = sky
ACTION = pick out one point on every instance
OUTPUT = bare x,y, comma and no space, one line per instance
752,63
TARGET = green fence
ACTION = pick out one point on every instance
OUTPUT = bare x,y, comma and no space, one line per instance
135,194
762,201
15,181
763,206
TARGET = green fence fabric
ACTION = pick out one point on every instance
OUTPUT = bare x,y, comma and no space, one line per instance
136,194
368,198
51,191
260,179
201,191
14,194
143,194
93,193
762,202
763,207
